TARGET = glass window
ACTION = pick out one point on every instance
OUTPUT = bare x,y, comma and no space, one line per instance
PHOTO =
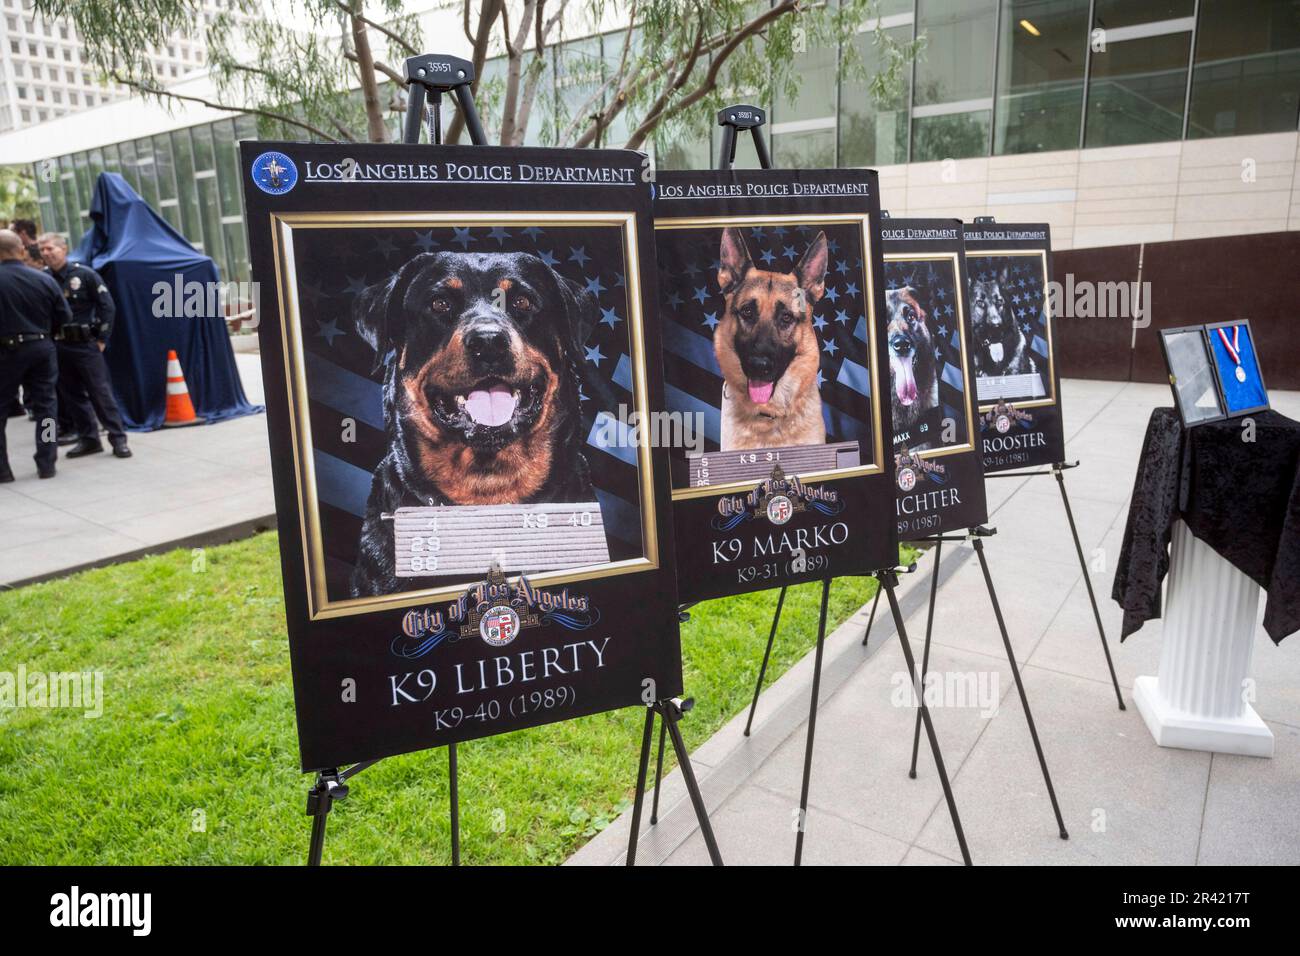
95,165
238,269
203,156
130,172
66,188
165,164
1128,13
183,158
45,203
872,133
803,126
1138,80
487,100
541,118
205,184
1246,74
83,185
1043,50
228,178
578,77
953,110
620,130
682,147
245,127
148,188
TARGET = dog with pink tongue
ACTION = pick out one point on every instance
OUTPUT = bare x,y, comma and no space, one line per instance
767,348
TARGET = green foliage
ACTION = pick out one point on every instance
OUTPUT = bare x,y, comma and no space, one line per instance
195,757
18,198
683,61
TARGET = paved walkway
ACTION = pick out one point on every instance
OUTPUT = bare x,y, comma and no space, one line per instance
1125,800
183,486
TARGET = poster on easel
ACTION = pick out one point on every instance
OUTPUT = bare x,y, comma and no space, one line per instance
1017,383
770,288
938,468
454,340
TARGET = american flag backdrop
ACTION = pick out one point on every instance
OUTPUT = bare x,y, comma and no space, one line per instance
691,305
934,284
344,376
1026,293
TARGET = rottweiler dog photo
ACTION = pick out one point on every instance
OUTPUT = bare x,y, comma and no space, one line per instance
913,367
767,348
1000,344
480,355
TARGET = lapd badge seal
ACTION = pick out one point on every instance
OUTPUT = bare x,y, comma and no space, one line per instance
275,173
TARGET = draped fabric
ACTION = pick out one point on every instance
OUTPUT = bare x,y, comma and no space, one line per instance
137,252
1237,490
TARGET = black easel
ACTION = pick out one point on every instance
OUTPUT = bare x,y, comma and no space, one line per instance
975,536
1058,470
741,117
431,74
670,712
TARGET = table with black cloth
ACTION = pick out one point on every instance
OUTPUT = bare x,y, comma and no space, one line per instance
1240,497
1216,508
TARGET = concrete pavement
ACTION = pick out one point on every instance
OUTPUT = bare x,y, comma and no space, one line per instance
1125,800
184,486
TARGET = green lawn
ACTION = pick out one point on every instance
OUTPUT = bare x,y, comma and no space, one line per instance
198,725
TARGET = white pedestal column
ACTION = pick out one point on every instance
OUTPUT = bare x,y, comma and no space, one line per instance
1198,702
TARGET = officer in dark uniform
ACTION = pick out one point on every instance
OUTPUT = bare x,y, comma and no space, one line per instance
32,310
85,388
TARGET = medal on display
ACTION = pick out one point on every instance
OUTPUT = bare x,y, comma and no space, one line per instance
1233,350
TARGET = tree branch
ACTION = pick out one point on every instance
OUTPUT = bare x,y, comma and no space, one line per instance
487,15
598,120
254,110
396,38
662,110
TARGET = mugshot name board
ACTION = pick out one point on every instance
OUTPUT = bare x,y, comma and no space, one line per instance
1017,385
938,468
449,337
770,284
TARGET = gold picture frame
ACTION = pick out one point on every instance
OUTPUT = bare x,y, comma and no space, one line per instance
1050,381
863,220
320,606
966,369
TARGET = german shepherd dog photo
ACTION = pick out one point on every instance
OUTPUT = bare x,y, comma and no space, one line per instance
1000,344
481,401
767,348
913,368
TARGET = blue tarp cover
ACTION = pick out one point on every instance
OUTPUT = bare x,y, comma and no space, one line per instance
133,249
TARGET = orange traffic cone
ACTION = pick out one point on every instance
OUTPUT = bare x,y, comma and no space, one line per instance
180,410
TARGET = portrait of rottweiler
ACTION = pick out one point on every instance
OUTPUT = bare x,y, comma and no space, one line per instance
913,367
1000,344
767,348
480,355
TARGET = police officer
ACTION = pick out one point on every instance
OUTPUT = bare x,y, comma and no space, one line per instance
84,384
32,310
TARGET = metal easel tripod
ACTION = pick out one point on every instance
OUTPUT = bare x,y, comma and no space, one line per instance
975,536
